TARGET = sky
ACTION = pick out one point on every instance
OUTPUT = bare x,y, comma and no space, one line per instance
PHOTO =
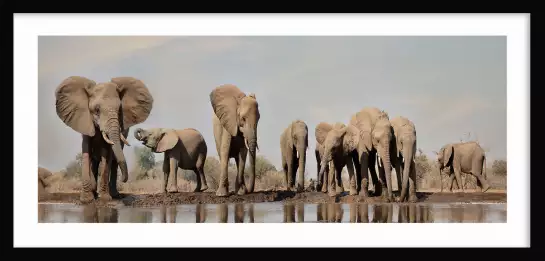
448,86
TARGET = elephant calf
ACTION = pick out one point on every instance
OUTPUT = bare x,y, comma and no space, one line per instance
466,157
185,149
293,146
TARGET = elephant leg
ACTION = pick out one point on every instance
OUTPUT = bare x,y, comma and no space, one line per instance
357,167
285,168
325,179
104,170
351,177
294,171
94,174
198,177
174,174
240,186
458,174
87,184
166,172
338,180
223,186
290,173
364,159
332,189
412,183
113,180
377,184
204,184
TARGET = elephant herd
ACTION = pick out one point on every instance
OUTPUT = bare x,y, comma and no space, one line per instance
103,113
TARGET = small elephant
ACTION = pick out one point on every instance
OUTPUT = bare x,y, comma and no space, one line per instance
293,146
185,149
403,159
375,136
466,157
339,146
235,120
103,114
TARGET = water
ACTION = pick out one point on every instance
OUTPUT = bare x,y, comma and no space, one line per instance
277,212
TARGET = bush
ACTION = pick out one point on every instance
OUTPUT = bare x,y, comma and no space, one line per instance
499,168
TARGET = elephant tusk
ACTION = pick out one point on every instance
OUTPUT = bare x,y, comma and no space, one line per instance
379,162
124,140
246,144
105,137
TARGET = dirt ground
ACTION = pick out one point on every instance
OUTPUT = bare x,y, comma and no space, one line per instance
152,200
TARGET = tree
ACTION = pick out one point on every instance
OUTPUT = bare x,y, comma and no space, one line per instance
145,160
499,167
73,169
262,166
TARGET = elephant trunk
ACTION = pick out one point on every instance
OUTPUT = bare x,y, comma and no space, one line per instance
408,158
114,135
387,164
252,145
302,159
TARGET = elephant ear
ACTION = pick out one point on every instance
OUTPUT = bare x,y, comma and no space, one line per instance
136,100
225,100
169,139
351,138
447,154
72,104
321,131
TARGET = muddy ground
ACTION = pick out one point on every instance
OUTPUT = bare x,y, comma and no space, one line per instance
152,200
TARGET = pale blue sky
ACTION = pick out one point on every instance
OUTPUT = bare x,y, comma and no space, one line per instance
447,85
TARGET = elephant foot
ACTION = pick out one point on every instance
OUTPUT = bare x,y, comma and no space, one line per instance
386,199
324,189
222,192
485,188
86,197
197,189
104,196
173,189
413,198
353,191
242,190
364,193
332,193
204,187
339,189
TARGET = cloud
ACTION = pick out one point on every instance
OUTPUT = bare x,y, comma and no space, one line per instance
59,53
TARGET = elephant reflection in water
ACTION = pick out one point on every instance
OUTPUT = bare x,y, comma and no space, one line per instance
169,211
414,214
359,213
289,212
223,215
329,212
94,214
467,214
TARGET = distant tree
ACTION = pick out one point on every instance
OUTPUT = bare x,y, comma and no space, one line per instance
73,169
499,167
262,166
145,160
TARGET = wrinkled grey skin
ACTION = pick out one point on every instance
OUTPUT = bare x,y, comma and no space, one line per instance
375,137
466,157
103,114
184,149
403,158
293,147
339,144
235,120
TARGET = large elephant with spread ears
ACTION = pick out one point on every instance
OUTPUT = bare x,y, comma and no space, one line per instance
375,136
235,120
293,147
339,146
103,114
403,159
